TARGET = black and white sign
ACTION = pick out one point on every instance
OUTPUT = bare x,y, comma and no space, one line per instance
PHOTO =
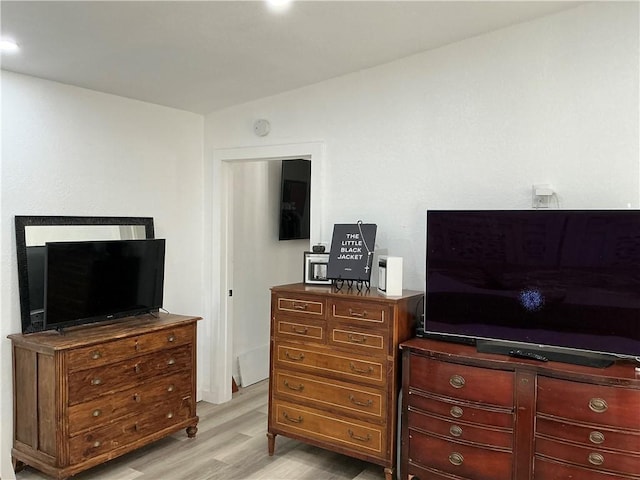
351,254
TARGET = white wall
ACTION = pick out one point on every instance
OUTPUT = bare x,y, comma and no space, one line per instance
70,151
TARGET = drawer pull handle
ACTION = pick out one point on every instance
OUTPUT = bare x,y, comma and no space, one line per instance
171,388
292,420
358,437
367,371
96,355
353,400
598,405
136,397
298,388
135,427
357,338
300,331
457,381
96,444
456,412
455,430
136,347
171,338
353,313
300,306
136,368
291,357
596,437
596,459
456,459
171,361
170,415
96,381
97,412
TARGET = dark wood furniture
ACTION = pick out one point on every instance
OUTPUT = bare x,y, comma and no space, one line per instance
335,364
97,391
468,415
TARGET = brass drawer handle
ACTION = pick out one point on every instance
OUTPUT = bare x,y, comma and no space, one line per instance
291,357
456,412
455,430
136,346
171,388
96,444
596,459
136,397
598,405
358,437
456,459
358,370
457,381
95,355
353,400
298,306
298,388
596,437
293,420
171,338
97,412
136,368
302,331
96,381
171,361
353,313
357,339
170,415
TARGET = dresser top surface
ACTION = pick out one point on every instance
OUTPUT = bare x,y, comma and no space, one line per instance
344,293
88,334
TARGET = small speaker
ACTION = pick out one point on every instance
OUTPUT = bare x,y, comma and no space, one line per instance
390,275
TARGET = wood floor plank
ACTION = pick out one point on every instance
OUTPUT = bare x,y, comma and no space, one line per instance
231,444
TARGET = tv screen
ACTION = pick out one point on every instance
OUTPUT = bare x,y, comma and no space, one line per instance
295,200
101,280
568,279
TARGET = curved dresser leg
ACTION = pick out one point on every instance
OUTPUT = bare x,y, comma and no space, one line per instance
271,442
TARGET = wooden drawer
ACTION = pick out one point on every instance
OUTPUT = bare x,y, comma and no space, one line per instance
302,331
137,399
420,472
359,313
589,436
127,430
342,366
545,469
459,459
456,430
594,458
334,395
482,385
299,305
323,427
118,350
592,404
369,343
456,410
87,384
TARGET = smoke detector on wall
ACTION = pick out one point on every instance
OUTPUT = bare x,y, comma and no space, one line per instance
261,127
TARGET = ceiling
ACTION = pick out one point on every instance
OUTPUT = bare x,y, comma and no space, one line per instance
203,56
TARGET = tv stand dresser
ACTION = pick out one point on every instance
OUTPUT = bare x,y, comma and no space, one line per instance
477,416
335,369
95,392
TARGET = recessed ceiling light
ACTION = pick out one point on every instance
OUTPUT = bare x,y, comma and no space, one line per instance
279,5
8,46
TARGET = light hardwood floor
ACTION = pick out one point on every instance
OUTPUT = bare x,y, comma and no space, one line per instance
231,444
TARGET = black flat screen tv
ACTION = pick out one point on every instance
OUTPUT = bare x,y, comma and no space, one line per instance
94,281
564,281
295,200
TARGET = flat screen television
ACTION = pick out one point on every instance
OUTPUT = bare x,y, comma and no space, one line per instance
295,200
94,281
560,284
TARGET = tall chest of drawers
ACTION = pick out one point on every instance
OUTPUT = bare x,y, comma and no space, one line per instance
473,416
334,377
95,392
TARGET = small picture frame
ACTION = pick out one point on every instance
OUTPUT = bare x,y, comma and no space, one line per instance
315,268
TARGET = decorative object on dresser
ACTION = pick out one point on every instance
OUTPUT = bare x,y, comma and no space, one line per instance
351,256
335,364
101,390
478,416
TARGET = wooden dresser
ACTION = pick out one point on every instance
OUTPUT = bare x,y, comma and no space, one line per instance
98,391
335,365
468,415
